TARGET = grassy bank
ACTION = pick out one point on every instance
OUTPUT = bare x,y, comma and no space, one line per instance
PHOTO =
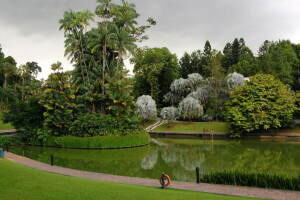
97,142
253,179
217,127
21,182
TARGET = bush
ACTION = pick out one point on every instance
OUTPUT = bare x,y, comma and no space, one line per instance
252,179
5,141
26,116
97,124
262,103
97,142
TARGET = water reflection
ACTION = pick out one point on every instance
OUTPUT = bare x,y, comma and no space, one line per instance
178,157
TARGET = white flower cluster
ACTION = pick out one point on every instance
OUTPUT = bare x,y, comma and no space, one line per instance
146,107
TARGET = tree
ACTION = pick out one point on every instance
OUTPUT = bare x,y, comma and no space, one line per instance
57,99
190,108
217,84
169,114
7,69
235,79
155,69
247,63
26,116
185,65
146,107
262,103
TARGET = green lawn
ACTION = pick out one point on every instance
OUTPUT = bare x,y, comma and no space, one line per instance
217,127
148,123
4,126
21,182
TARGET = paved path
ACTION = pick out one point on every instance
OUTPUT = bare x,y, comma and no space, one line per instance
203,187
8,131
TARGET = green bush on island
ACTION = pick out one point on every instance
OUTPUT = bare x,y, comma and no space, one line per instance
139,138
262,103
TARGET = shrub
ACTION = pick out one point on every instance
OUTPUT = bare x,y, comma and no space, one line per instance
169,114
26,116
146,107
252,179
190,108
97,142
262,103
97,124
8,140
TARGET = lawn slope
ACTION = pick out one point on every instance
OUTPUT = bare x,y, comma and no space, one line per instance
21,182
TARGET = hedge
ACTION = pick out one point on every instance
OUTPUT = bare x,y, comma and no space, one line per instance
96,142
253,179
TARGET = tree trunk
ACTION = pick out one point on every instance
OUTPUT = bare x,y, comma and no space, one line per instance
81,48
151,84
23,88
5,80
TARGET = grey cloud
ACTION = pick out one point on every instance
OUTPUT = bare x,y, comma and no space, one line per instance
181,25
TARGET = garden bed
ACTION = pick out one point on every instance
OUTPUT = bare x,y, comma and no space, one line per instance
97,142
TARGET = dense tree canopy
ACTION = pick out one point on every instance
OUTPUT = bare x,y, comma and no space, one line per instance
155,69
262,103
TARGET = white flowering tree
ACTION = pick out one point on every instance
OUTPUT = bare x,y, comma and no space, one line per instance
194,80
235,79
146,107
190,108
169,114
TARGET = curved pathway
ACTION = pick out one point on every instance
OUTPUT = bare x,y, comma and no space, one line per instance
202,187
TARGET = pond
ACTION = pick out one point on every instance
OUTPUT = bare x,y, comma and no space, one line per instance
178,157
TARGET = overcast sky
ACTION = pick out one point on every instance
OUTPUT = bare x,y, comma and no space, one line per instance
29,29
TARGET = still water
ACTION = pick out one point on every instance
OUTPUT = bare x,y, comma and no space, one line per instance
178,157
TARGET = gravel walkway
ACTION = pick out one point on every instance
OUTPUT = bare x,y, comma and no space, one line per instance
202,187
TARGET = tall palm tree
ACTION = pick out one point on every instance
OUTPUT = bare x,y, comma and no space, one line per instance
23,71
7,69
123,41
73,24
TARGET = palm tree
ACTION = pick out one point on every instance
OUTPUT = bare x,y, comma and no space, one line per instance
73,24
123,42
7,69
23,71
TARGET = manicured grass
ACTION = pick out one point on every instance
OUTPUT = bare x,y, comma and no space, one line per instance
148,123
217,127
4,126
21,182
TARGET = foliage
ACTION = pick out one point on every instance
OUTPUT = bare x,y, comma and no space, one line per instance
146,107
190,108
136,138
26,116
169,114
235,79
155,69
57,98
262,103
121,102
97,124
253,179
247,65
8,140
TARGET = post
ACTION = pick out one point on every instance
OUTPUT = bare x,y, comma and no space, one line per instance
163,180
203,130
51,160
198,174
